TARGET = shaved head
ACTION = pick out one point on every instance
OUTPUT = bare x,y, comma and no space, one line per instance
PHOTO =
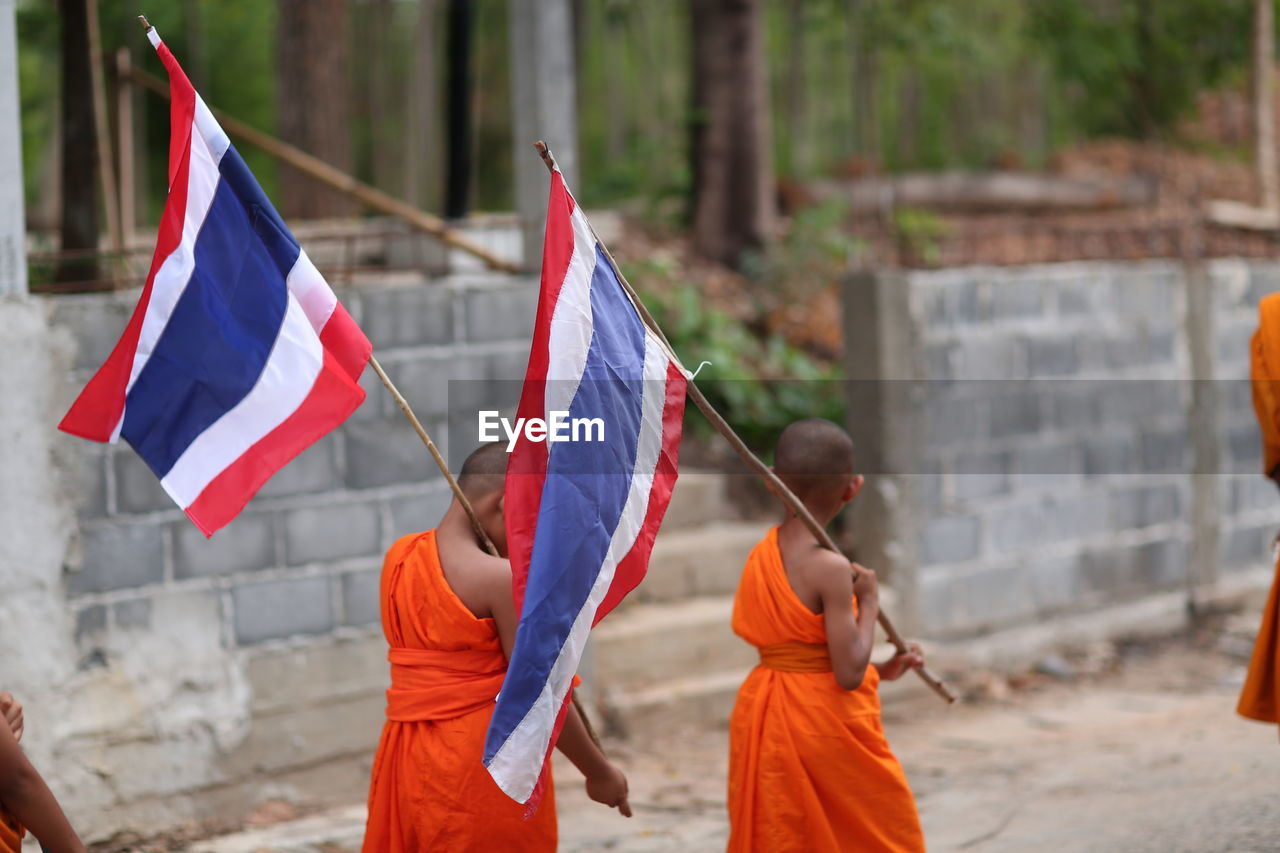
814,458
485,471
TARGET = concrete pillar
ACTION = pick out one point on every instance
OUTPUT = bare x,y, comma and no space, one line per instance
881,365
544,93
13,247
1203,421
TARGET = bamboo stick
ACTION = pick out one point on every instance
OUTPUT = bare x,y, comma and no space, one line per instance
369,196
754,462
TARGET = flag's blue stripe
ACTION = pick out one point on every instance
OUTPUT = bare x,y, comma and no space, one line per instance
582,500
223,327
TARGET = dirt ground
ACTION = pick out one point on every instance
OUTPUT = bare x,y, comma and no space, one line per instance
1142,753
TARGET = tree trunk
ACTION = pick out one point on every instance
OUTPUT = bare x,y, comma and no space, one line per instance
457,197
385,143
193,58
733,201
423,163
313,101
1264,47
79,147
866,80
798,158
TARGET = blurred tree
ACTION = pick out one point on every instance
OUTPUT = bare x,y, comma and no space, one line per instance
79,146
423,163
1136,65
732,153
313,99
457,195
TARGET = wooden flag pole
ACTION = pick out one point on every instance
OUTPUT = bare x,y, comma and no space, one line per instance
754,462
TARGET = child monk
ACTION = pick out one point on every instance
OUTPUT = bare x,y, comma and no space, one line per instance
25,800
809,767
1260,696
449,616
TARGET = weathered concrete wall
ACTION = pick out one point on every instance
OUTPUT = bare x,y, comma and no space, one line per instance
170,678
1057,444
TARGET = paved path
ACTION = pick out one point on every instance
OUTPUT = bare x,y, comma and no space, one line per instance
1147,755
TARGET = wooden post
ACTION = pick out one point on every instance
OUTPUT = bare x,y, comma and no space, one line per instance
124,146
13,231
106,171
1264,113
721,426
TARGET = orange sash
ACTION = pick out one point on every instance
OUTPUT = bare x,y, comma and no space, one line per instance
796,657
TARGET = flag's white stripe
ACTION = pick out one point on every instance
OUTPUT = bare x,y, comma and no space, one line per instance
287,378
518,762
571,321
207,127
175,272
312,292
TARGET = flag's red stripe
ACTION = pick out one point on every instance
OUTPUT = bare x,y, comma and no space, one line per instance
631,568
527,464
99,407
348,344
333,397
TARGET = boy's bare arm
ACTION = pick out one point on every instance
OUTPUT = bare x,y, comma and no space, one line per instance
605,783
25,796
849,638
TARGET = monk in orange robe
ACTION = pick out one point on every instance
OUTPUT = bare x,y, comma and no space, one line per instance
1260,697
449,617
809,767
25,799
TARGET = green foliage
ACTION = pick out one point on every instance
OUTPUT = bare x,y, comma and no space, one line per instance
816,250
760,384
955,83
1134,66
920,232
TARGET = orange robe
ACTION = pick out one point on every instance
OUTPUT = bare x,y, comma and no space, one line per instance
11,833
1260,697
809,767
430,790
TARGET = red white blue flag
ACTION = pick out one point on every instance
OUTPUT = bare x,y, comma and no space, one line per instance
582,512
238,356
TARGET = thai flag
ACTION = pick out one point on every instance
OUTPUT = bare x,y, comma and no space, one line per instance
581,515
238,356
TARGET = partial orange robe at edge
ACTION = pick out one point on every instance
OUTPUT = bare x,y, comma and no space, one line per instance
1260,696
429,788
11,833
809,766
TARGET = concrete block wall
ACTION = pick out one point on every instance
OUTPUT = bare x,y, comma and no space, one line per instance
196,677
1061,446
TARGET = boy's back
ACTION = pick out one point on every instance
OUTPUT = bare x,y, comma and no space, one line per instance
809,766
